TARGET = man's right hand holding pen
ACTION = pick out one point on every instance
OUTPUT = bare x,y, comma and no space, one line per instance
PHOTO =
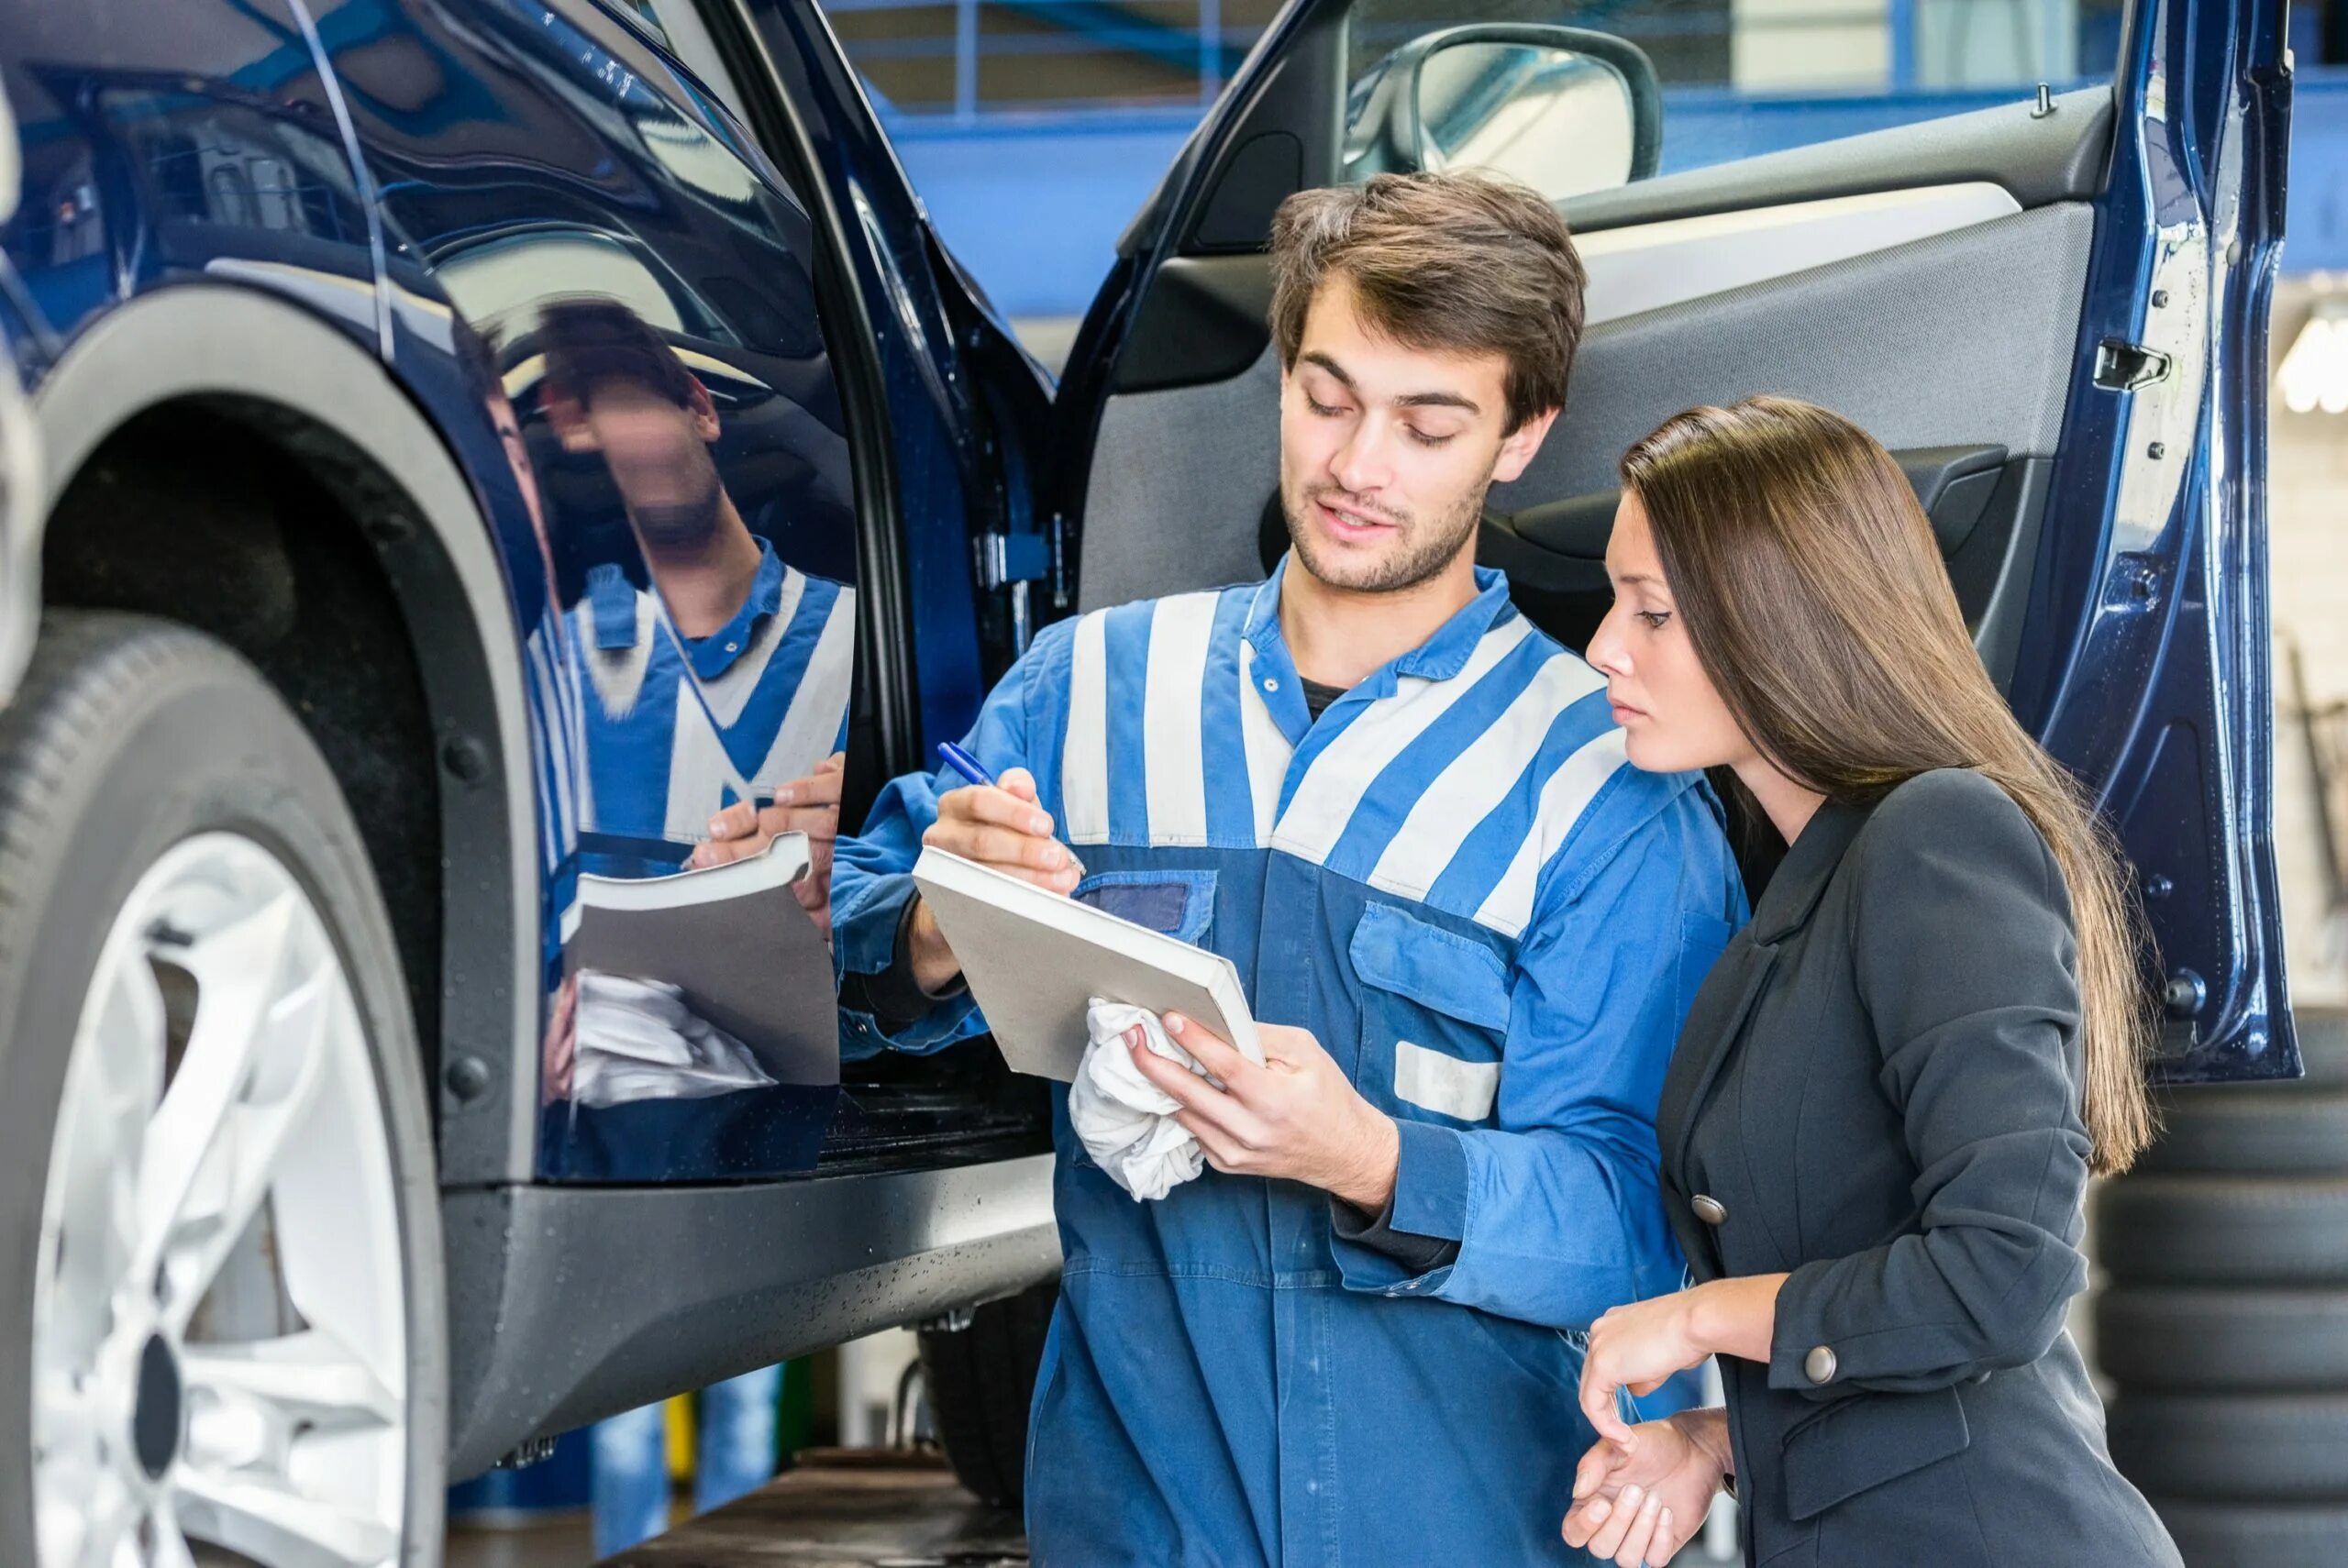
1000,825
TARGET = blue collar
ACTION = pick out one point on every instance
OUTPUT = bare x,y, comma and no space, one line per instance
612,599
1440,657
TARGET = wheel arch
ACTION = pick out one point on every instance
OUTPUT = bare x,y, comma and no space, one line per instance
311,394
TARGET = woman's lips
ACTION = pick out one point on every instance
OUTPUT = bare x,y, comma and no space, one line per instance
1623,712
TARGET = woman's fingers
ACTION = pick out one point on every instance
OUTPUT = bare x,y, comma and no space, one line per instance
1597,1387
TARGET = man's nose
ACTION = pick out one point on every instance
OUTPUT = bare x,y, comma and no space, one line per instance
1362,464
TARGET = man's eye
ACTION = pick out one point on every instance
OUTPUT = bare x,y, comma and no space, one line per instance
1654,618
1322,409
1423,440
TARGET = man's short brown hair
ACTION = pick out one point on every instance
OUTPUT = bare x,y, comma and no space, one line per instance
1462,263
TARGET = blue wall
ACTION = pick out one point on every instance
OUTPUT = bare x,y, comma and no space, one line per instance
1033,204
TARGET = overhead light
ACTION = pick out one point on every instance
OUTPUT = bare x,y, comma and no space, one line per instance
2314,374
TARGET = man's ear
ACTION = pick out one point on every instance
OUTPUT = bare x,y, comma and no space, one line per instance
1517,448
704,411
569,417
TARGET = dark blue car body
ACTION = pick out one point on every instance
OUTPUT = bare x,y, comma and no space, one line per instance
290,228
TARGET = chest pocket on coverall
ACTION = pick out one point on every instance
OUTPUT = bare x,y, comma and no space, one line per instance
1434,1019
1180,903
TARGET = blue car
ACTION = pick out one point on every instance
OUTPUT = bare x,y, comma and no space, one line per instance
452,449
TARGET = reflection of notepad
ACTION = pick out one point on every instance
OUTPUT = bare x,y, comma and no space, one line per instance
1035,960
735,941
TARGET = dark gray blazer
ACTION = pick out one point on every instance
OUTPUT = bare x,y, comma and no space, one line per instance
1877,1091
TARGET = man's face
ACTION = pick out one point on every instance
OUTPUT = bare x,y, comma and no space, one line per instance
659,454
1386,451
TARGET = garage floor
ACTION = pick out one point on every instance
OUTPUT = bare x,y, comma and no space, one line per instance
838,1508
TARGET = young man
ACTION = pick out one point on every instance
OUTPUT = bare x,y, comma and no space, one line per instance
1468,928
772,649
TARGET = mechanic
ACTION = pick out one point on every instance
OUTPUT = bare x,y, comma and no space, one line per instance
1468,928
772,647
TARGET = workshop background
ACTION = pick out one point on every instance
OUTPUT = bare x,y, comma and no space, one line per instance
1032,129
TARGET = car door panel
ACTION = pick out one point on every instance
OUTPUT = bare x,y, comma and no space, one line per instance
598,274
1892,337
2033,292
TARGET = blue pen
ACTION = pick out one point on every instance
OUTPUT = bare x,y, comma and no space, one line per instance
970,767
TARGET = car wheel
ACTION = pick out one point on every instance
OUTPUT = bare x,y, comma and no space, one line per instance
216,1194
981,1380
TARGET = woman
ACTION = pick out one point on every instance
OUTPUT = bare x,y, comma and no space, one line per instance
1879,1121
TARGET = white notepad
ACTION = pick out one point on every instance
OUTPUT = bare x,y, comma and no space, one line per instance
1035,959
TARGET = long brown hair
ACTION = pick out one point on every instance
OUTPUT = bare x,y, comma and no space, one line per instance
1817,604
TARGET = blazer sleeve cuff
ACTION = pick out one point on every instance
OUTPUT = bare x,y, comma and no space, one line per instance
1805,1356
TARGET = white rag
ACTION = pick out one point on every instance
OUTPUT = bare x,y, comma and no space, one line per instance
1126,1121
640,1040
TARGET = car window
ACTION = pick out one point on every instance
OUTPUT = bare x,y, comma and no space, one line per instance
1738,78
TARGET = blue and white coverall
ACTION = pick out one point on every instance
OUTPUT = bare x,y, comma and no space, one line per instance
1457,882
775,677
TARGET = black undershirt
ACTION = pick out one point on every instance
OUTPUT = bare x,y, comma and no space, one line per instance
1318,697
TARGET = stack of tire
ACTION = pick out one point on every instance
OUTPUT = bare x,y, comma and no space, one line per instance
2223,1322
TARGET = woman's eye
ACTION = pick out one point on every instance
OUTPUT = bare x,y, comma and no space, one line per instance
1654,618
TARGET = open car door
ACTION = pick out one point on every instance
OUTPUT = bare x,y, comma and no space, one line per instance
2052,310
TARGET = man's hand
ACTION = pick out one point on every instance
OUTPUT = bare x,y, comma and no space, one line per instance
1297,1117
1642,1504
809,805
559,1054
999,825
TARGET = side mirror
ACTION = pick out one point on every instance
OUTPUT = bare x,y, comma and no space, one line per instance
1563,110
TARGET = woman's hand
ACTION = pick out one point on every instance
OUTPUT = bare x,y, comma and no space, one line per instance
1643,1503
1636,1347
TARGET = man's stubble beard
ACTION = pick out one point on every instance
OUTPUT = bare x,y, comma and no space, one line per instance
1427,548
685,526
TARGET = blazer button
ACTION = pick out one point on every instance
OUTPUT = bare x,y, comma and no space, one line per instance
1710,1209
1820,1363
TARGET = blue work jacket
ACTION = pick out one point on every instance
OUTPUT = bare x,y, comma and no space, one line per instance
1457,882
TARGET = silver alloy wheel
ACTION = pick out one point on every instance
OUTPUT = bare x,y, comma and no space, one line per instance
219,1335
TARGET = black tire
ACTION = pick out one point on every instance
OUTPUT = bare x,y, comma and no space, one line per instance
2240,1448
2251,1130
127,736
2242,1340
2167,1229
981,1380
2235,1535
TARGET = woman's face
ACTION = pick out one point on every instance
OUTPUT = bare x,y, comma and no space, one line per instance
1673,718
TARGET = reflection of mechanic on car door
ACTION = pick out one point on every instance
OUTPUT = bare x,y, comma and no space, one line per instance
754,684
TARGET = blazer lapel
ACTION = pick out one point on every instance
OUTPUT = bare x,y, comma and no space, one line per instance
1717,1018
1714,1021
